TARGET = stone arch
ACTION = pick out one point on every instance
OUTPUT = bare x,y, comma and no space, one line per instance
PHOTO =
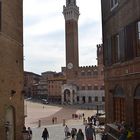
10,123
67,95
137,92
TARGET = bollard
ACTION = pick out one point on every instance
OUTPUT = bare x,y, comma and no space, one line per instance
84,120
64,122
39,123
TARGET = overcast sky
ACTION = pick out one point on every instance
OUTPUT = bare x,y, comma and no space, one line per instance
44,34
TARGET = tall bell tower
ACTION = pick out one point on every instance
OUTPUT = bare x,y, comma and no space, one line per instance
71,15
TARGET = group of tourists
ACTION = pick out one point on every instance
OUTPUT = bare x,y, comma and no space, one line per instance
89,133
27,133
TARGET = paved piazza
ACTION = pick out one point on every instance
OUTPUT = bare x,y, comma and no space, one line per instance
45,113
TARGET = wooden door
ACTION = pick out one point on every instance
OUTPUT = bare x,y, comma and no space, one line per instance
137,118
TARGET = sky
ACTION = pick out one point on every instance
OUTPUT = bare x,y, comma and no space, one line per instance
44,34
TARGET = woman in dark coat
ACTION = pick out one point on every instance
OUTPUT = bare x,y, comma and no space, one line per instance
45,134
80,135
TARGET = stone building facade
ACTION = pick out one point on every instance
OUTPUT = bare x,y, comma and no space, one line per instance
121,45
11,70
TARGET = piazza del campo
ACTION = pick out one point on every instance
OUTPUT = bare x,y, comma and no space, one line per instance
97,102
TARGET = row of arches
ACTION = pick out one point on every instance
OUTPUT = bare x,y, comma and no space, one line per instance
120,106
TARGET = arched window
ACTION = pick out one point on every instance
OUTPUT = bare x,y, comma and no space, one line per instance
82,73
119,104
137,93
89,73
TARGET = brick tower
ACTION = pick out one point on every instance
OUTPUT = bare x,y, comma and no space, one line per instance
11,70
71,14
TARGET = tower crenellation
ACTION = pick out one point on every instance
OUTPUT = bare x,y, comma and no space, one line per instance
71,10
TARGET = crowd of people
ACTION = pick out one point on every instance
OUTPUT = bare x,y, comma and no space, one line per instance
79,135
73,133
27,133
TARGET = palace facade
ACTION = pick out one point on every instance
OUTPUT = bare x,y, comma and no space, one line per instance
121,46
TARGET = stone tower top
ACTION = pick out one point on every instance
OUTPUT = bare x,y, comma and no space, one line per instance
71,10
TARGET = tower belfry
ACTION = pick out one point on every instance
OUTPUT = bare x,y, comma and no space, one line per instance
71,15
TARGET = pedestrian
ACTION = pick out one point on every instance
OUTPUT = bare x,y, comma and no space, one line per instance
25,134
30,133
90,131
45,134
73,133
53,120
80,135
66,130
94,120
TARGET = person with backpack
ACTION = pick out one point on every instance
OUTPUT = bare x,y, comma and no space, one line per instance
45,134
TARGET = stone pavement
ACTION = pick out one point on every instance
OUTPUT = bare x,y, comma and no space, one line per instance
56,132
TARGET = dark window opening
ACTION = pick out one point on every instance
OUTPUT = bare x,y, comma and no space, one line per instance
83,88
89,99
96,99
0,15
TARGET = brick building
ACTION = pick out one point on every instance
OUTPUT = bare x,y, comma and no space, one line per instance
11,70
121,45
55,81
31,81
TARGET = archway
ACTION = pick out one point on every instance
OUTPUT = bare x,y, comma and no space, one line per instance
137,111
10,123
67,96
119,104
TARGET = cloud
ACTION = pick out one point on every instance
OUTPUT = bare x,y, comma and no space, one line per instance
44,34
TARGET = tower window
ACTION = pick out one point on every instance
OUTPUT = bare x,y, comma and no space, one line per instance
139,30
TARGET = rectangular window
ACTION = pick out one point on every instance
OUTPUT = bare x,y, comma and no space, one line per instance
89,87
96,99
138,39
0,15
114,4
83,88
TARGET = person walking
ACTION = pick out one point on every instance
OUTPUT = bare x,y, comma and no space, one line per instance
45,134
90,131
66,130
25,134
30,133
80,135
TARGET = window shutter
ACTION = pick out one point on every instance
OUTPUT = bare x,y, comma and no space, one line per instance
130,33
122,45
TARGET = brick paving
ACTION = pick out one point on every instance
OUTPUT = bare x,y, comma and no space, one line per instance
45,113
